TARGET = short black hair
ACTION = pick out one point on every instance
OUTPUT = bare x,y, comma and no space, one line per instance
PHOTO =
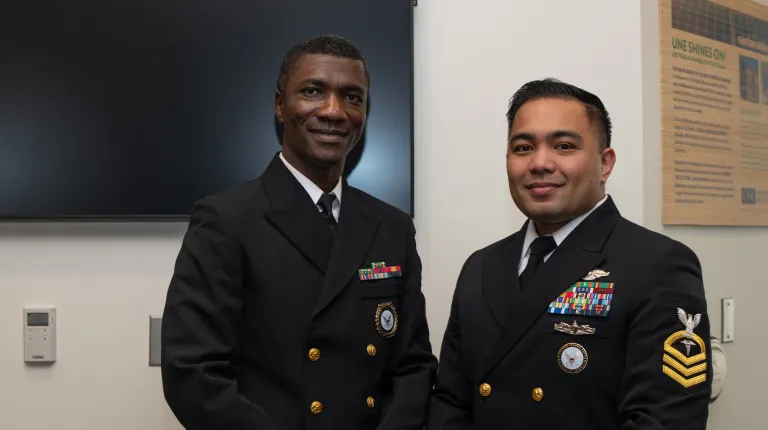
323,45
552,88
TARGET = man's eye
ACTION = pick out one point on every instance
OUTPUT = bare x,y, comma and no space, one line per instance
522,148
355,98
564,145
310,91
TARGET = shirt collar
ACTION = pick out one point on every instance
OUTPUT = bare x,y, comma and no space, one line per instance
313,190
560,234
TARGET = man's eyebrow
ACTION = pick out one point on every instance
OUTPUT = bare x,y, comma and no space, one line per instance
354,88
564,133
557,134
314,82
322,84
522,136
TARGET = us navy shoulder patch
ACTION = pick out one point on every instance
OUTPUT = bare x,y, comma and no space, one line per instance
686,369
584,298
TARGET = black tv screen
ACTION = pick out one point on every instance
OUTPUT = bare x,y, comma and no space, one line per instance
134,109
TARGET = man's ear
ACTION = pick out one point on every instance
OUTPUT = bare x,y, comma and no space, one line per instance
279,106
607,161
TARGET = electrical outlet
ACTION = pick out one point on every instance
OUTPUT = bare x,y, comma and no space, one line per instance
729,320
155,324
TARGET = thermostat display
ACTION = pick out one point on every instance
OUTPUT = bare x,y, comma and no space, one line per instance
40,335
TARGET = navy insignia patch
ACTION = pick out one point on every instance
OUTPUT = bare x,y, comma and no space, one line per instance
387,320
572,358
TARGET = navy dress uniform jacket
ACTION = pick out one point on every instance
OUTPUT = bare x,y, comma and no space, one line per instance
268,325
513,359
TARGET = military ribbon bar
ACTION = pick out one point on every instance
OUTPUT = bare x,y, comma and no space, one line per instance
379,270
584,298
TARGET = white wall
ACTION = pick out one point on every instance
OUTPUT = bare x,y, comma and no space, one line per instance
732,258
470,58
105,280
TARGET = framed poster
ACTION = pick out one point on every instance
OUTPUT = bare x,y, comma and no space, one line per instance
714,112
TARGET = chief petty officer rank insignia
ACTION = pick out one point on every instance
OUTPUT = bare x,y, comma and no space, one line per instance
686,369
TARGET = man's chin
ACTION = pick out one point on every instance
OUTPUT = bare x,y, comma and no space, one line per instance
328,157
547,212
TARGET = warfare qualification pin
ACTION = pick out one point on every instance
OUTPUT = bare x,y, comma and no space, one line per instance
575,329
572,358
386,320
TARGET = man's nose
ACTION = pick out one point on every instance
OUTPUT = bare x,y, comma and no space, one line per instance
332,108
542,160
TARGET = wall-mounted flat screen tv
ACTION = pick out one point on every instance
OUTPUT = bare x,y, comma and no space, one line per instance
135,109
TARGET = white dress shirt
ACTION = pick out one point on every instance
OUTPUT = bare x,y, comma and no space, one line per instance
314,191
559,236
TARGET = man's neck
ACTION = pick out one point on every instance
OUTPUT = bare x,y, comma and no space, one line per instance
325,179
544,229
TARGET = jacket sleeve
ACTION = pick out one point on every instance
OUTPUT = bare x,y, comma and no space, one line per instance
414,366
200,331
668,370
450,407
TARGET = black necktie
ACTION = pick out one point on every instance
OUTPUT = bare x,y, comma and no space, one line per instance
326,210
540,247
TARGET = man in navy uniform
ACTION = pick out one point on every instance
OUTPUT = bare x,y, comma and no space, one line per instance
296,299
582,319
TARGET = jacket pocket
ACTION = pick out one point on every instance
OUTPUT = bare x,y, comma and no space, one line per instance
372,289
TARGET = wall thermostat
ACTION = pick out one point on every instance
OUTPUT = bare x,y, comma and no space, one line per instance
39,335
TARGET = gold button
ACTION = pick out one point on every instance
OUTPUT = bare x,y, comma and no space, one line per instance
485,389
314,354
371,350
370,402
537,394
316,407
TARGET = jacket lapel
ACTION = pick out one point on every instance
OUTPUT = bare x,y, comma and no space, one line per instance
580,252
295,215
501,288
354,236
